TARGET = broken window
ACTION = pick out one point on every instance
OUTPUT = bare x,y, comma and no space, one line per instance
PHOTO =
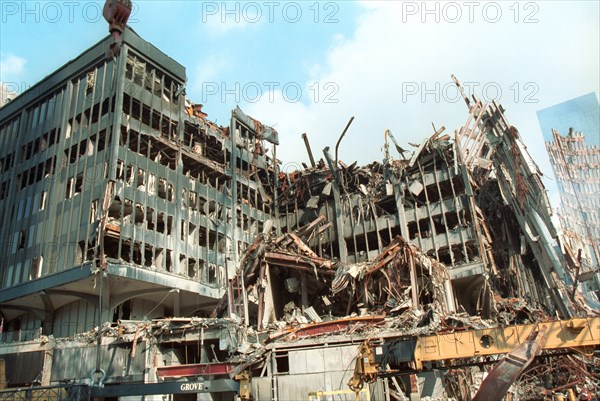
93,207
135,69
151,184
184,198
77,189
123,311
212,273
22,239
170,192
111,247
137,253
193,200
282,362
69,188
126,251
128,209
160,223
36,268
129,174
49,166
159,256
139,215
182,263
210,208
221,275
91,82
80,251
162,188
191,232
169,224
212,239
200,205
169,261
191,268
150,224
141,180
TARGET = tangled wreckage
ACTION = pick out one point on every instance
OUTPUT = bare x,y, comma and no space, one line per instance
453,244
207,273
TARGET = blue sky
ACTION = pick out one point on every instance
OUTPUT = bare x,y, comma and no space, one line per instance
386,63
224,43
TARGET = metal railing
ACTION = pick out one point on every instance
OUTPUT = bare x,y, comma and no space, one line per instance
51,393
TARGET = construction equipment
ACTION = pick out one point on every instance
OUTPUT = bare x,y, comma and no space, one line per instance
521,343
366,366
578,333
116,13
245,392
40,393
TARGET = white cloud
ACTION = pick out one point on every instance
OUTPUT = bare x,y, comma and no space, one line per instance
223,17
392,52
207,72
11,67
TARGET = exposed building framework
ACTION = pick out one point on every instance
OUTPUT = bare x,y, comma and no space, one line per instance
577,169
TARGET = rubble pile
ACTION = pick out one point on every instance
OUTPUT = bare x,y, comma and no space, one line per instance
549,376
454,238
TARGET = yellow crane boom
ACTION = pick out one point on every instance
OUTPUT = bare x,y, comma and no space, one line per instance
521,342
579,333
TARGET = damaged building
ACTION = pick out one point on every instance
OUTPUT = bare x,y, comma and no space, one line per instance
117,200
577,169
149,252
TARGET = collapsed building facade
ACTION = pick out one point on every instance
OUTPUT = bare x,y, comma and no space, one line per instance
149,251
577,169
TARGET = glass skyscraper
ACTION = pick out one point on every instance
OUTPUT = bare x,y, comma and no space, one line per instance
582,114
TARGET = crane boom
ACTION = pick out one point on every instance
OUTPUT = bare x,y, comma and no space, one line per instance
521,343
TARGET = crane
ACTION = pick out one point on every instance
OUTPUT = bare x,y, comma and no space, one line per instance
520,344
116,13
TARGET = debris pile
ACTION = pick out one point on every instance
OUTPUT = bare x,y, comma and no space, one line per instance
456,238
555,375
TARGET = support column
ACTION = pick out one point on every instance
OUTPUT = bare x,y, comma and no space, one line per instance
106,314
304,291
339,221
49,315
47,369
399,197
176,303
